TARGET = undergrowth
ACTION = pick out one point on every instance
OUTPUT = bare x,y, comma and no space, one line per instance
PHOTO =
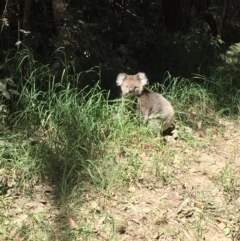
77,140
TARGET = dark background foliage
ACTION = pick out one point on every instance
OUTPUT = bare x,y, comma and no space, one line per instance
179,36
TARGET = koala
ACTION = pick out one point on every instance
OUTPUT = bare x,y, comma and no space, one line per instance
155,110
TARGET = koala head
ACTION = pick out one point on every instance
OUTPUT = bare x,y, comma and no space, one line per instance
131,84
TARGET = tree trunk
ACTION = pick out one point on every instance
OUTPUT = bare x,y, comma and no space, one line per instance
27,7
222,19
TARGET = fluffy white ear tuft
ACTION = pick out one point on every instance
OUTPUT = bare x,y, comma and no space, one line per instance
120,78
143,78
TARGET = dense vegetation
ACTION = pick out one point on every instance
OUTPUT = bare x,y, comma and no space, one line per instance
183,38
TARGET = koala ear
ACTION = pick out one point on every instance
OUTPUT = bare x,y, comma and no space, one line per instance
142,78
120,78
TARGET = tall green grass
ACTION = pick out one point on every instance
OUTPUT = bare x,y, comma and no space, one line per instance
201,98
77,130
76,139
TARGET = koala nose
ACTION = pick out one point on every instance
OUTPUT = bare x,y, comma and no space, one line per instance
131,89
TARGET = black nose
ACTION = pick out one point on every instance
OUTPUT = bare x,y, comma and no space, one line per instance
131,89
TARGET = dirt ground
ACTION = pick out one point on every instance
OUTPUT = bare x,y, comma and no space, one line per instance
194,195
200,199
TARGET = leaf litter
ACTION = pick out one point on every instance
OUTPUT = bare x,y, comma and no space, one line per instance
188,200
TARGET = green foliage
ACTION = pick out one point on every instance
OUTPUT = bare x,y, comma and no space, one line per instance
229,67
201,98
78,129
72,127
100,35
78,141
224,89
67,135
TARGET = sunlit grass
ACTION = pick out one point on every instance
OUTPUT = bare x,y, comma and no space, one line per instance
73,143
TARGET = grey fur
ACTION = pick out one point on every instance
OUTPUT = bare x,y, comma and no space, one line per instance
152,107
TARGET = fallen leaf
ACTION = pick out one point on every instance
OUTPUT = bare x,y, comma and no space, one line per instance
132,189
221,220
222,226
72,223
188,130
183,204
170,139
199,124
192,170
19,221
146,210
95,206
227,231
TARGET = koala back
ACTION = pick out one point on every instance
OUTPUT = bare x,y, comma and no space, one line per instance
153,106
